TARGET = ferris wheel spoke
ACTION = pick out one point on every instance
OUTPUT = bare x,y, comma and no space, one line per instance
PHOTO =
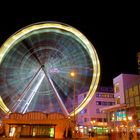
19,100
47,51
60,102
32,94
62,106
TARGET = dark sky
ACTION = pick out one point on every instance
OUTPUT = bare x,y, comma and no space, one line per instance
114,34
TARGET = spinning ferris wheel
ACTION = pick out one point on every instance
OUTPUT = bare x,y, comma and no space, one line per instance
35,67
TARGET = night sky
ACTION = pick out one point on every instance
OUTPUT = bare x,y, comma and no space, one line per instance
115,36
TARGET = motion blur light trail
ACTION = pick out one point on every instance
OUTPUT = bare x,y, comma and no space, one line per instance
35,66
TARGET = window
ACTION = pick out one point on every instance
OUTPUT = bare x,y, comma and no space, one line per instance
105,119
116,88
111,103
98,110
103,95
86,119
132,104
100,95
99,119
111,96
127,101
131,92
97,95
131,100
92,118
126,94
120,115
137,99
98,102
118,100
83,111
104,103
136,90
107,96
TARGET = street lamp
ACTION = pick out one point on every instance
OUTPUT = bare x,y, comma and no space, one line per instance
73,75
93,127
128,120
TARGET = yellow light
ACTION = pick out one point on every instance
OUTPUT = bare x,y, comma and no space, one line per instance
124,119
72,74
86,44
92,122
3,106
129,118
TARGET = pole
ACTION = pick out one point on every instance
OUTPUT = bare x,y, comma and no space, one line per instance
74,100
73,75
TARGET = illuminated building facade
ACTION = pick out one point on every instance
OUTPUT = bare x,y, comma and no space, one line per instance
91,118
127,91
124,116
35,124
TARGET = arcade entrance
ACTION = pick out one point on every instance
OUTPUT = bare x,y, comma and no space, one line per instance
36,124
32,130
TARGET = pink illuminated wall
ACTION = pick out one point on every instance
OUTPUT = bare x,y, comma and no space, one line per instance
92,110
124,80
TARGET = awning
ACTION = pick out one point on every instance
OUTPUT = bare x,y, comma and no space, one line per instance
119,123
114,107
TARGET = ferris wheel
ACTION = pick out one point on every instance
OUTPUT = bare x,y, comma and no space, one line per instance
44,67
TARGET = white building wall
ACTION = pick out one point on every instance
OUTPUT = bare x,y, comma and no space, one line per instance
90,111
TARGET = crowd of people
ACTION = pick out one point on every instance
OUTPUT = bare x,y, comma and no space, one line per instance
91,134
121,135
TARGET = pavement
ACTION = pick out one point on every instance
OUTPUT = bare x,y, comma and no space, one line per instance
82,138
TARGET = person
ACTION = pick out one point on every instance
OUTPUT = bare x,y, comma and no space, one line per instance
69,133
109,136
130,136
89,133
120,134
64,135
92,134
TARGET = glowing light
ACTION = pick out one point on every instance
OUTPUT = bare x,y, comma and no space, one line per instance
32,94
12,131
124,119
3,106
26,97
72,74
57,27
51,132
129,118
